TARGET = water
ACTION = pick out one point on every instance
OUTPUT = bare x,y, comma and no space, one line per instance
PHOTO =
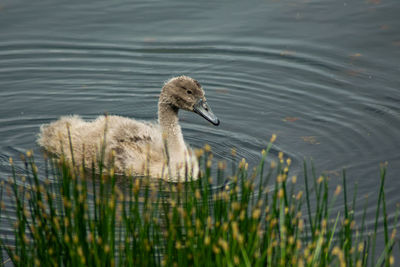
322,75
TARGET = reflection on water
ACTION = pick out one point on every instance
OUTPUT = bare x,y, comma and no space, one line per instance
322,75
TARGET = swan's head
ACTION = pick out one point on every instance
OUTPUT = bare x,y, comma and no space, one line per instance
186,93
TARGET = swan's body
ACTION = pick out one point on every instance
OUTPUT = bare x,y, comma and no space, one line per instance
138,147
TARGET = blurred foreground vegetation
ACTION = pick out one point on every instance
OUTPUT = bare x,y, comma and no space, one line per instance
71,216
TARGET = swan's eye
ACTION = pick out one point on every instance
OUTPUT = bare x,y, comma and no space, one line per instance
188,92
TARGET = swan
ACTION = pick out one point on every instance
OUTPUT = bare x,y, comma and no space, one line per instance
138,147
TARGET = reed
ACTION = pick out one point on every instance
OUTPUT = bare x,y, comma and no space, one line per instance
71,216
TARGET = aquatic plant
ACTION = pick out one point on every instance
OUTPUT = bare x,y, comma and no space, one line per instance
71,216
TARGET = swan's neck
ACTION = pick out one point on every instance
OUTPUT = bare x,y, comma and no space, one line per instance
168,120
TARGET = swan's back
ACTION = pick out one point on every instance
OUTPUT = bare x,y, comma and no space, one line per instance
131,140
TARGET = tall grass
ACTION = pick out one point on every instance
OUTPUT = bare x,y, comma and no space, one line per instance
71,216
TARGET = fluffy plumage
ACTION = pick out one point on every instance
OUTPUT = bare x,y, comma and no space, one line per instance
138,146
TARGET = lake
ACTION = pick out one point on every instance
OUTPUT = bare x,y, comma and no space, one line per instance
322,75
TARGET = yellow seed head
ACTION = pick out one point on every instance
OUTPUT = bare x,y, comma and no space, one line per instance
225,226
301,225
80,251
236,260
273,164
393,236
216,249
16,258
222,165
75,239
338,190
256,214
242,215
224,245
207,148
299,195
298,244
280,193
209,222
242,163
197,194
240,239
207,240
263,152
198,224
273,138
209,163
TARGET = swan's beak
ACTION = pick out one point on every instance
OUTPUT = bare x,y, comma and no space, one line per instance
202,108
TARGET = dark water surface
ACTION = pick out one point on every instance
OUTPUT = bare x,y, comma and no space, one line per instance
322,75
